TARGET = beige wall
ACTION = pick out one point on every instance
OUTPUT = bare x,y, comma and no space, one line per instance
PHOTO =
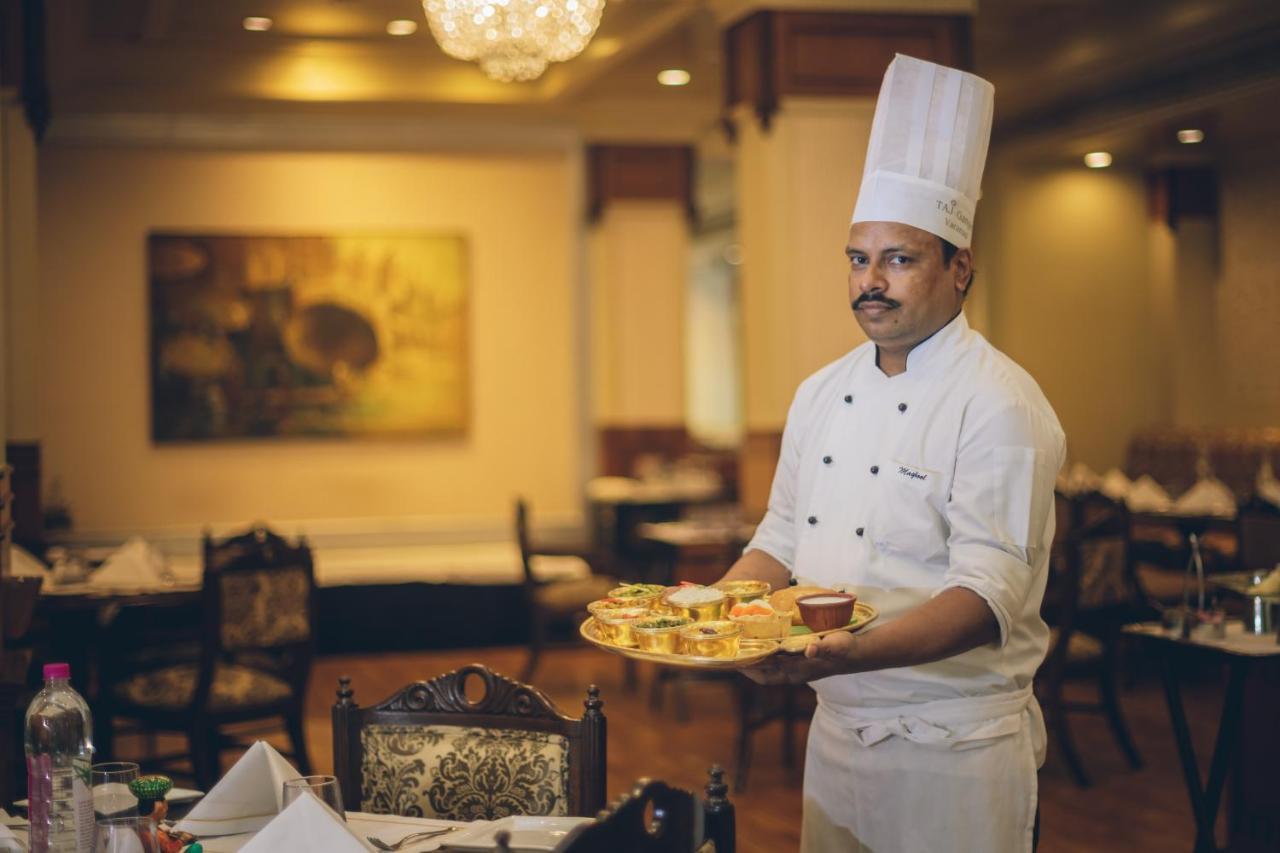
1065,258
1248,292
520,215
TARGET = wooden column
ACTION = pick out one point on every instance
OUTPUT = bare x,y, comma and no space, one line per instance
800,90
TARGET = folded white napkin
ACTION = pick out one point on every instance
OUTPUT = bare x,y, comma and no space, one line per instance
22,563
9,841
1146,495
135,563
1267,486
1079,480
1115,485
244,800
1209,496
306,826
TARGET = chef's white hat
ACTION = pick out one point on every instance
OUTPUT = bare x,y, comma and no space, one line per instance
928,148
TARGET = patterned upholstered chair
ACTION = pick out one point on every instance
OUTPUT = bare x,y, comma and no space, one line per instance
680,822
258,603
430,751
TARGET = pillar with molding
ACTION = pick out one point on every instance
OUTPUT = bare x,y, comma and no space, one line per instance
800,94
640,207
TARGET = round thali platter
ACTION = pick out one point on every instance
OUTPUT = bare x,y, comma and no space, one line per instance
750,651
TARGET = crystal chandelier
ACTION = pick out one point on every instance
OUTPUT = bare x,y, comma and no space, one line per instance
513,39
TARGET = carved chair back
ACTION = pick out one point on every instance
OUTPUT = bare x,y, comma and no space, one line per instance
259,603
657,818
431,751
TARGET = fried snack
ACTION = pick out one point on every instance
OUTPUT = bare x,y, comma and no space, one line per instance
785,599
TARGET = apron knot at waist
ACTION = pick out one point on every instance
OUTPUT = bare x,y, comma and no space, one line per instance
954,723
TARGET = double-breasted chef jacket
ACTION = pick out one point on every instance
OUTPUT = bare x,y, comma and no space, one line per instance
896,488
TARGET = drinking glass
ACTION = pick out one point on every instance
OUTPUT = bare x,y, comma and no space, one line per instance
132,834
324,787
111,794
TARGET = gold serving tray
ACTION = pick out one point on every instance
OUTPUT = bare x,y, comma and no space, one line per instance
863,615
749,652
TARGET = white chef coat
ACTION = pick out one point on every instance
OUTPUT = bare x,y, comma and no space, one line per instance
897,488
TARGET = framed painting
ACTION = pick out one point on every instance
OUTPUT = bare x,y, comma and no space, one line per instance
307,336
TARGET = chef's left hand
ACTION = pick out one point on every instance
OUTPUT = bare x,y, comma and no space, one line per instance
829,655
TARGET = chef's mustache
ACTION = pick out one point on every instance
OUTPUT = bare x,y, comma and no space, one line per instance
874,297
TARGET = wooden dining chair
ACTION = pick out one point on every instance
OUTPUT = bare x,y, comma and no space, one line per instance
657,818
552,603
259,626
1258,529
430,750
1091,593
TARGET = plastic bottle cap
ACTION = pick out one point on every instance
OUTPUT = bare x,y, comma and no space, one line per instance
57,670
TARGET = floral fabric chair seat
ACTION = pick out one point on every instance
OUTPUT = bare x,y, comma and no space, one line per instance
463,773
174,687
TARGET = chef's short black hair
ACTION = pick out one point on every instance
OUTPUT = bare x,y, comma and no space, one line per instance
949,250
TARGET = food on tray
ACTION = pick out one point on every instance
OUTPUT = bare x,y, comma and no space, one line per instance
609,604
1270,585
785,599
637,590
826,611
616,624
739,592
712,639
660,633
761,620
701,603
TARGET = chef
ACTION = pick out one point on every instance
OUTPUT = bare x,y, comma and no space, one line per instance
917,472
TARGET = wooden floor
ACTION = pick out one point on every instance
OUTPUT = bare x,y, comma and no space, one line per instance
1125,810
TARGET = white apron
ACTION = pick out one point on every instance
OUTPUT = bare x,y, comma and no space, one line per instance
954,775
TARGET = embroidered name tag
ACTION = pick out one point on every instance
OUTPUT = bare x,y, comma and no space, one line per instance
912,473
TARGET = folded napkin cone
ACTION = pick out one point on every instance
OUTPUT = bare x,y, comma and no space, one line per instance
306,826
1267,486
1147,495
135,563
1115,485
246,799
1209,496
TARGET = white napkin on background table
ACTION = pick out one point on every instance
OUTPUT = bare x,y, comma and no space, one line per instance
1146,495
1115,485
1209,496
136,563
306,826
246,799
1079,480
1267,486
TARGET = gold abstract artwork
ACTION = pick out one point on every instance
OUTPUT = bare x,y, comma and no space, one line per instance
270,336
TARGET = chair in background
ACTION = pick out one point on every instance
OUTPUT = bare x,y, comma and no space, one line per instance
258,640
1258,529
679,822
553,603
430,751
1092,593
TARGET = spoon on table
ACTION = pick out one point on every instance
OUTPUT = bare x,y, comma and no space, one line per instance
409,839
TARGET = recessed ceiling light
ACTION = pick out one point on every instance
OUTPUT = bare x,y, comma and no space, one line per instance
402,27
673,77
257,24
1097,159
1190,136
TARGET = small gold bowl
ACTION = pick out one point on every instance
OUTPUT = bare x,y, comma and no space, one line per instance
740,592
616,624
712,639
700,611
642,594
603,604
660,633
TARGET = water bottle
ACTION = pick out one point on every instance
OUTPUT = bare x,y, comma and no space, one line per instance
59,756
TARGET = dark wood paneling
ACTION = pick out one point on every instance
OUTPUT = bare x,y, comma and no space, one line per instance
28,520
639,172
1178,193
620,447
770,55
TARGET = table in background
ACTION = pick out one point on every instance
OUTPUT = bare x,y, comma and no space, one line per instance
1253,824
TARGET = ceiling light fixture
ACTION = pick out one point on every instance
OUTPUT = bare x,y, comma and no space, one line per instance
1190,136
513,39
1097,159
674,77
402,27
257,24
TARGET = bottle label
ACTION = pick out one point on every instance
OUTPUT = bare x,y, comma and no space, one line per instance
82,794
39,798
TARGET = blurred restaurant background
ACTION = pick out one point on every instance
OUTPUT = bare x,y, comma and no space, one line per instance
286,267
